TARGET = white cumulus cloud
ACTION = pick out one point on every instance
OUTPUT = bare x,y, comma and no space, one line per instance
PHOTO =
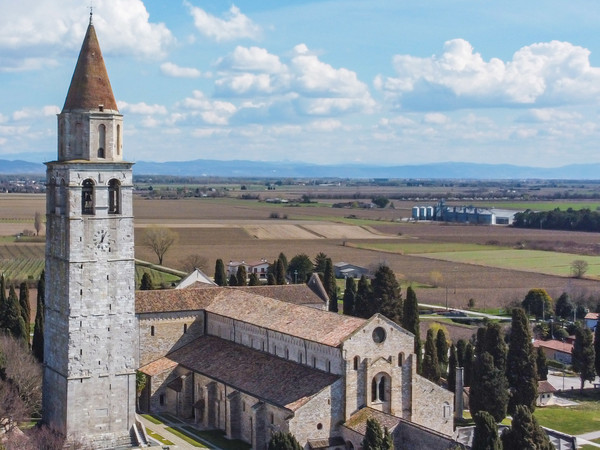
142,108
31,113
539,74
32,31
211,111
173,70
234,25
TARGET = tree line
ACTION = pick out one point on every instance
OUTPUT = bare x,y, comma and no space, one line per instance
573,220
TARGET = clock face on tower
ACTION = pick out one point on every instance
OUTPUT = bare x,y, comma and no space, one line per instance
101,240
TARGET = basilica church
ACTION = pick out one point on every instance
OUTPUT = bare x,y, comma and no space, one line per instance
247,361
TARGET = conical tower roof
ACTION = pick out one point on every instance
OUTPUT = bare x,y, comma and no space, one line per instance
90,86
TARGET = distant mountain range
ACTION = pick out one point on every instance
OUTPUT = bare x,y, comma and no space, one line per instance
286,169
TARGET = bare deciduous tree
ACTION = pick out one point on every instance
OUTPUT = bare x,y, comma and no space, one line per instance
195,261
160,240
579,267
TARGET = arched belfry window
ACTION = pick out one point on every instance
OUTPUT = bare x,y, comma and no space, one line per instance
101,140
114,197
87,197
379,388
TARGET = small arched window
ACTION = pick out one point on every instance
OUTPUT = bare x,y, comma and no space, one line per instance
101,140
114,197
356,362
185,328
374,390
152,330
400,359
87,197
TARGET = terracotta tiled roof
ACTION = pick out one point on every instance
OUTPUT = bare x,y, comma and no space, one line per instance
174,300
555,345
298,294
358,421
158,366
592,316
544,387
90,86
274,380
301,321
316,444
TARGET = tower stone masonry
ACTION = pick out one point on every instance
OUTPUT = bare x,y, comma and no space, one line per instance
90,342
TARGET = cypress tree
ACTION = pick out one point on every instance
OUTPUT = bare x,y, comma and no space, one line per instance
280,271
320,262
330,285
489,388
37,346
220,275
349,297
485,436
525,432
14,320
461,346
419,355
441,345
386,294
452,364
480,341
597,349
284,261
431,365
146,283
410,320
494,344
271,279
3,303
233,280
362,304
542,364
375,438
468,364
521,369
25,308
583,355
242,275
283,441
253,281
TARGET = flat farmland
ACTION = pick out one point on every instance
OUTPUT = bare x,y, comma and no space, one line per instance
235,229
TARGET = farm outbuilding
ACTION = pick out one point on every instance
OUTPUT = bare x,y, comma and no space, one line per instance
347,270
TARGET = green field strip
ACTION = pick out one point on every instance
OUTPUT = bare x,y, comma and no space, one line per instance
540,206
550,263
152,419
574,420
182,434
408,247
158,437
218,439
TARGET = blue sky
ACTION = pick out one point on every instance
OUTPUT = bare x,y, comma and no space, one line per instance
379,81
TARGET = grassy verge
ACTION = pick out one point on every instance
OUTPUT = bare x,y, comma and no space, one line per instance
186,437
218,439
575,420
171,418
158,437
152,419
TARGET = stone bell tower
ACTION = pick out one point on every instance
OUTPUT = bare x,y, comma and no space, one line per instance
90,341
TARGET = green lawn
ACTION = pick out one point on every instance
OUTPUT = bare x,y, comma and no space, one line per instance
575,420
152,419
217,438
552,263
186,437
158,437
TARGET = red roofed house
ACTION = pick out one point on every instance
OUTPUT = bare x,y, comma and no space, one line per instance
591,319
556,350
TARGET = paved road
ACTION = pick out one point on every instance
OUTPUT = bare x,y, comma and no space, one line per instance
466,311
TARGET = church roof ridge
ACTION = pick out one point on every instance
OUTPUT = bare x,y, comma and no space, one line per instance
90,86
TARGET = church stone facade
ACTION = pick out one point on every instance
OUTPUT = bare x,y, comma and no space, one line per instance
91,328
250,365
248,361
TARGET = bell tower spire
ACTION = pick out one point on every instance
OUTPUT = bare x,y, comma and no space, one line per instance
90,337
